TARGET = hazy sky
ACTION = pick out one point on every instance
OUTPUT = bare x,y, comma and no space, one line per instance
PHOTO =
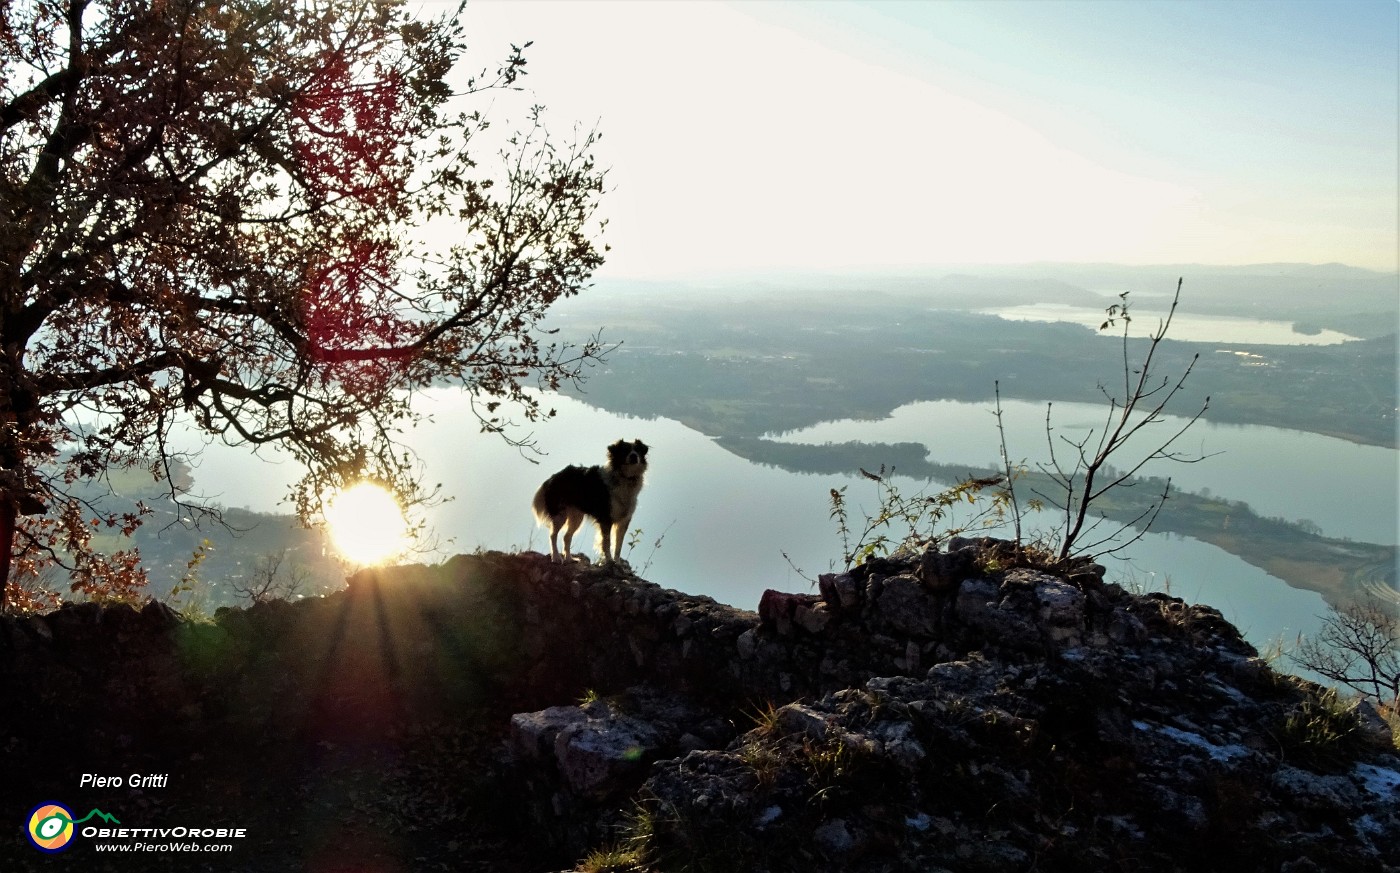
743,136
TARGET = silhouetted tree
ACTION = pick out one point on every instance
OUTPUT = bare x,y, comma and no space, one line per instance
268,580
1086,474
1358,645
213,214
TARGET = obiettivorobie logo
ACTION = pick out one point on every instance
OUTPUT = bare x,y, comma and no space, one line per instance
51,826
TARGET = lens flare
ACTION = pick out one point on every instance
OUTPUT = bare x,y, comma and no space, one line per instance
366,524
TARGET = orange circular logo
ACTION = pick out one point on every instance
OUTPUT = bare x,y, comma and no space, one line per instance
50,827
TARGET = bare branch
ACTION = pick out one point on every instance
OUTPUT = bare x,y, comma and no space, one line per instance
1358,646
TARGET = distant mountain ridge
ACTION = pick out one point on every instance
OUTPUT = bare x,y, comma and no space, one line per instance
1355,300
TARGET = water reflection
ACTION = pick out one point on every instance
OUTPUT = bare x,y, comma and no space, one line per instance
1185,327
1348,490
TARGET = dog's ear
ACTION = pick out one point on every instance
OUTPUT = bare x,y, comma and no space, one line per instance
619,446
640,447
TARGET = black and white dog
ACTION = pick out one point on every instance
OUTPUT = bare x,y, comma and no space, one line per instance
606,494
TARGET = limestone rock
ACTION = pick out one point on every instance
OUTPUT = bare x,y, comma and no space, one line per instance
532,734
943,572
840,591
596,756
1373,728
981,607
604,746
812,618
907,608
778,609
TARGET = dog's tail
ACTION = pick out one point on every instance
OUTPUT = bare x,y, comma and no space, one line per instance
541,503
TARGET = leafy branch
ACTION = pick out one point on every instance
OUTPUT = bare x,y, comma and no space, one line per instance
904,520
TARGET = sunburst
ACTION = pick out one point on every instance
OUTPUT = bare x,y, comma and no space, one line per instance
366,524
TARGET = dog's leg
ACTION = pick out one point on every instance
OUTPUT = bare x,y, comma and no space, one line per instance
555,522
612,546
601,542
620,534
572,524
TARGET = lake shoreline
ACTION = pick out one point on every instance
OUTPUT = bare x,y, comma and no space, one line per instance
1338,569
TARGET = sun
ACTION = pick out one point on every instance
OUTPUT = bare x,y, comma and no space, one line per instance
366,524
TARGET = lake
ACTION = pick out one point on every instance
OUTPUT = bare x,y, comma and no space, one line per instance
725,523
1184,327
1348,490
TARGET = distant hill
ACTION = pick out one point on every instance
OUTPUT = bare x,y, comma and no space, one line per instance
232,541
1356,301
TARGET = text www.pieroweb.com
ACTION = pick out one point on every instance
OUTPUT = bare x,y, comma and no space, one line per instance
161,839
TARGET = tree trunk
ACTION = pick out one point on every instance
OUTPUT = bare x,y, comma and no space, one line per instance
9,512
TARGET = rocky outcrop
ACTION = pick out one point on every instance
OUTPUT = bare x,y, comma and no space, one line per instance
1053,766
953,709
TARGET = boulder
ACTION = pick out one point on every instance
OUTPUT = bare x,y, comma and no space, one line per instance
943,572
906,608
598,756
777,609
